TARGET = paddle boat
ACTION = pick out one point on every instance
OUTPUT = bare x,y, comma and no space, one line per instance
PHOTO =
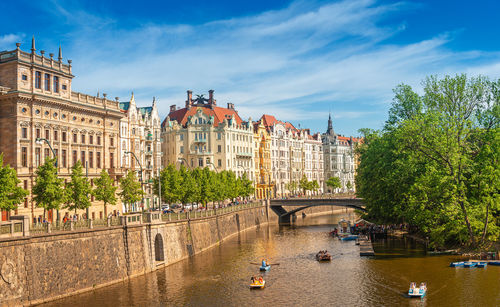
482,264
323,256
457,264
494,262
469,264
417,292
257,283
348,238
265,268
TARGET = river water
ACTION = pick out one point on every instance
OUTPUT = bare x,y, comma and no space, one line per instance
220,276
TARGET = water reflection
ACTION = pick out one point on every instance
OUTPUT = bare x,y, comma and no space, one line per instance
220,276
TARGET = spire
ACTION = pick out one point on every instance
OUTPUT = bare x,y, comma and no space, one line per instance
330,124
154,101
33,49
60,54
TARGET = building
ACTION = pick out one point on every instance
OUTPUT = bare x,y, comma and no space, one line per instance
203,134
140,146
313,158
339,158
262,156
36,102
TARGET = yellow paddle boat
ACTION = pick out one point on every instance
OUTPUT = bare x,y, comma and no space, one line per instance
257,283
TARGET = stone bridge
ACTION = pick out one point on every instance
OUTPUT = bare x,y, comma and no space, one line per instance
298,204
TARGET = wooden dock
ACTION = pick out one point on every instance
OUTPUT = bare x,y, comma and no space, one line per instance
366,247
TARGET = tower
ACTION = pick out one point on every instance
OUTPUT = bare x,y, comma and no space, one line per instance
330,125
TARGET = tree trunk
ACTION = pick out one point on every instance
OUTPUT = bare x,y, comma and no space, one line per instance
105,211
469,228
485,230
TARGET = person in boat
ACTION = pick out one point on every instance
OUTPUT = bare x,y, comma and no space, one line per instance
261,280
264,263
252,279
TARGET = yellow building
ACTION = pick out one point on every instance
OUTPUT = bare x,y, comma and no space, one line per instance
262,156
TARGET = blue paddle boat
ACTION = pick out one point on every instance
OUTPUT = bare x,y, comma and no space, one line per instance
469,264
265,268
482,264
349,238
417,292
494,262
457,264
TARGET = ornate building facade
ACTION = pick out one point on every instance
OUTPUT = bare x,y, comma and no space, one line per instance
203,134
262,156
339,158
140,138
313,158
36,102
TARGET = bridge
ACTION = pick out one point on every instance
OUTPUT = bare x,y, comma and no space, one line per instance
277,205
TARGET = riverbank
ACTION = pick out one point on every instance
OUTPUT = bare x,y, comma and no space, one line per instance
43,268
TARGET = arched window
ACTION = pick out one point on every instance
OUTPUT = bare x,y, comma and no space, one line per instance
159,254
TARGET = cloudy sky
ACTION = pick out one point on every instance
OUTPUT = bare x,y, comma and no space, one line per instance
297,60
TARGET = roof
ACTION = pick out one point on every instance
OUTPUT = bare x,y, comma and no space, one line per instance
124,105
145,110
218,113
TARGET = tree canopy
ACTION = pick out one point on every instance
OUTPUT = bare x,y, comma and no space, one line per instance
131,190
104,190
48,191
334,183
435,164
78,189
11,195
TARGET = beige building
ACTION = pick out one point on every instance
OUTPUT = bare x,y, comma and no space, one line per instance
36,101
313,158
264,187
140,137
203,134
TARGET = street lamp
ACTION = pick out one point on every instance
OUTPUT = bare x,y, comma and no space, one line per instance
215,168
183,161
140,166
40,141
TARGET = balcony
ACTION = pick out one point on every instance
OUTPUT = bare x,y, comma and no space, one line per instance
149,138
244,155
202,141
148,153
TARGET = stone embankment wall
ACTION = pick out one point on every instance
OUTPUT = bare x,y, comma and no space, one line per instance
37,269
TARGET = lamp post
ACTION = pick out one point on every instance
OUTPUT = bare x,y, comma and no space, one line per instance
184,161
140,166
215,168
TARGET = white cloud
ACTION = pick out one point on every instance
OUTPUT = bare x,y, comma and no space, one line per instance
295,63
8,40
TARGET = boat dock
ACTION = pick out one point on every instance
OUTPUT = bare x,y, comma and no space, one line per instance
365,247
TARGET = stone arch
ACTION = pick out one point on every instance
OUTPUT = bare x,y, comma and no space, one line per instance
159,253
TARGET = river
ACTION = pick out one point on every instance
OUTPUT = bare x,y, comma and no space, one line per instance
220,276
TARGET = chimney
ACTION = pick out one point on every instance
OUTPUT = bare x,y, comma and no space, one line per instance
211,100
189,100
230,106
172,108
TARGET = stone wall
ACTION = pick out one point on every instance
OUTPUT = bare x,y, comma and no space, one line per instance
43,268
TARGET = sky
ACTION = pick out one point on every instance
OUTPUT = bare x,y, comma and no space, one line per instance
296,60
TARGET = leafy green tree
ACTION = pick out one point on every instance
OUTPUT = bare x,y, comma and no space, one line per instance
292,186
78,189
304,184
48,190
171,189
314,185
334,183
189,187
131,190
104,190
245,186
435,164
11,195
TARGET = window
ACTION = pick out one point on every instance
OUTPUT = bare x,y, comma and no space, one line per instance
56,84
64,136
24,77
82,157
133,131
219,163
75,158
181,137
63,157
111,141
46,154
83,138
218,135
111,160
47,134
98,140
219,148
98,159
37,157
75,138
91,139
47,82
38,79
24,156
37,133
182,149
55,135
200,162
91,159
24,133
64,87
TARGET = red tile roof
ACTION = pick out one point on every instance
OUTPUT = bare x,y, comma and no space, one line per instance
218,113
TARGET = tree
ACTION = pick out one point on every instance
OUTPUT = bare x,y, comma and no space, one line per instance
349,185
435,164
171,190
104,190
292,186
78,189
131,190
189,188
11,195
315,185
304,184
245,186
334,183
48,190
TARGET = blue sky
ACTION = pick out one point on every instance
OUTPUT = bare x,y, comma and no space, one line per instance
296,60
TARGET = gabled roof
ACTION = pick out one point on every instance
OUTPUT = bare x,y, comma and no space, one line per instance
144,110
218,113
124,106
